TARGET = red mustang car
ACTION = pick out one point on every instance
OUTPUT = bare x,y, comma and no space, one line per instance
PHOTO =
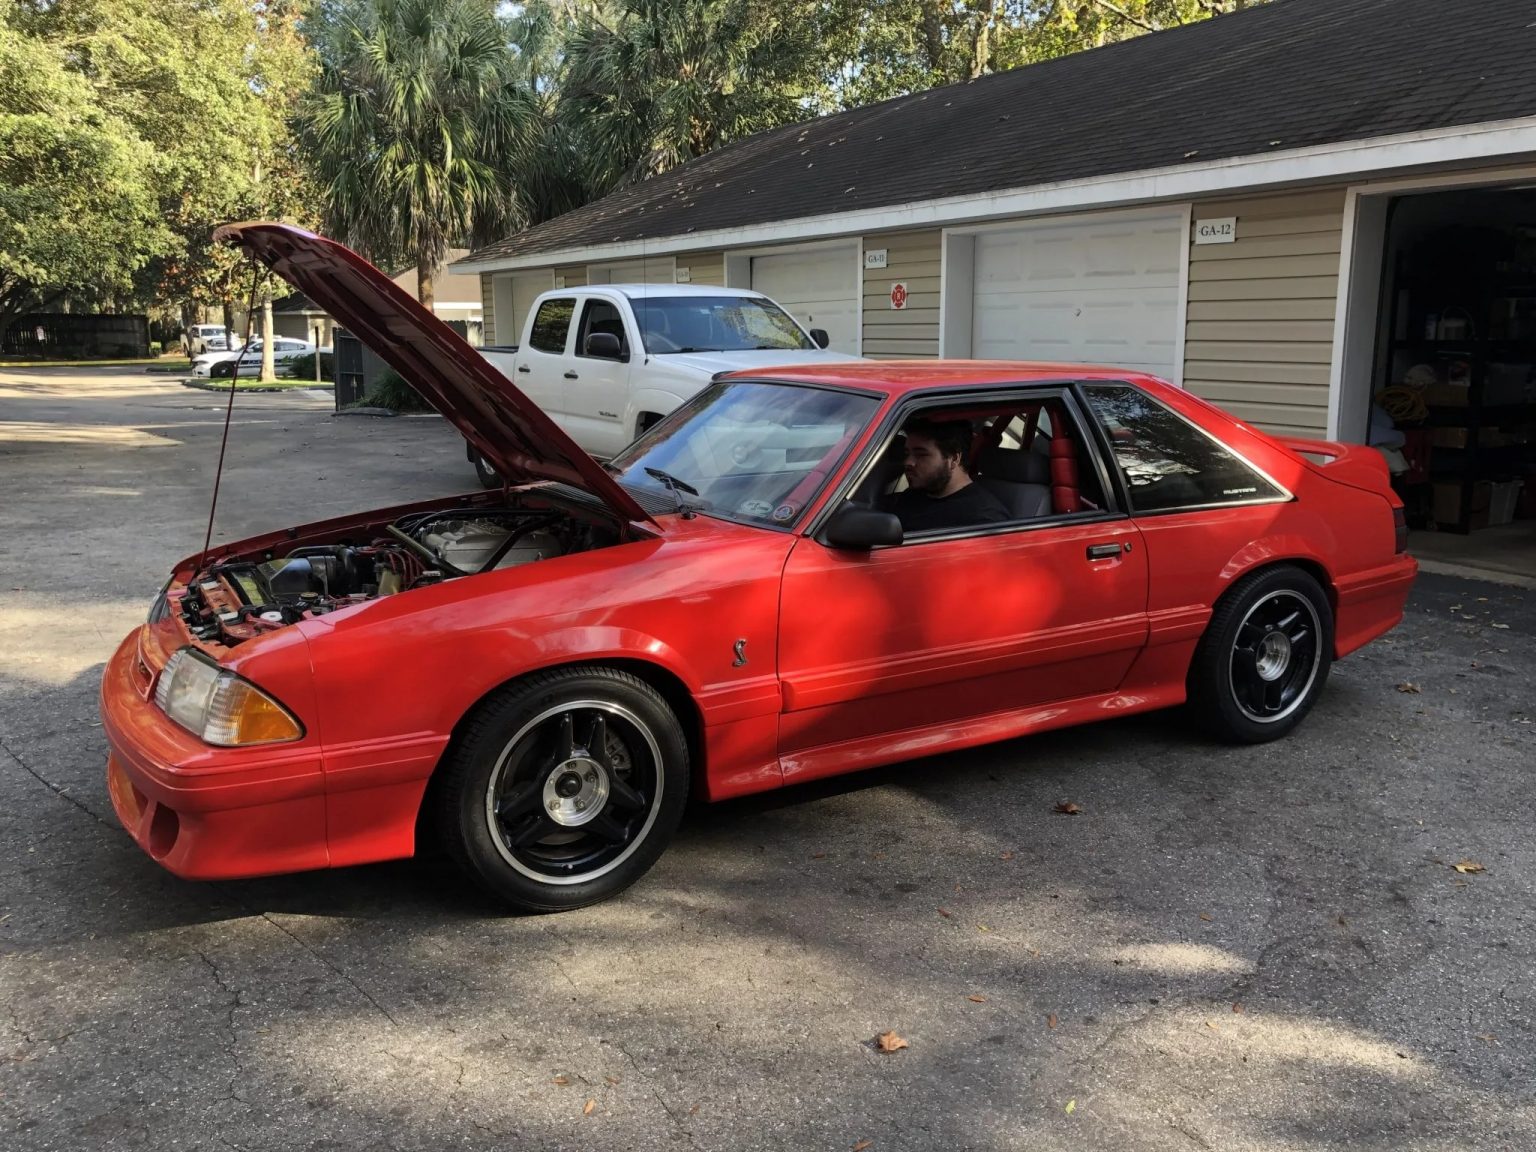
539,676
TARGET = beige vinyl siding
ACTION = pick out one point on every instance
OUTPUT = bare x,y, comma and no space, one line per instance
913,259
1259,333
575,275
706,268
488,308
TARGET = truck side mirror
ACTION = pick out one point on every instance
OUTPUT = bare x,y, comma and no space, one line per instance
603,346
820,338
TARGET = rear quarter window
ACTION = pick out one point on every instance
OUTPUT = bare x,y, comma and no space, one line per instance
1167,462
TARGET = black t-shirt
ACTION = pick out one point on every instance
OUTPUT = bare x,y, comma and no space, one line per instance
920,512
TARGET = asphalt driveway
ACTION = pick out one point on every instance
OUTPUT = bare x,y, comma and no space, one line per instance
1267,949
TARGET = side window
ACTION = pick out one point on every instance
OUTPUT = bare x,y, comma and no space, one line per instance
601,316
1001,462
551,326
1167,462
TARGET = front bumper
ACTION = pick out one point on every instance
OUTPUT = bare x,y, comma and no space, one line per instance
206,813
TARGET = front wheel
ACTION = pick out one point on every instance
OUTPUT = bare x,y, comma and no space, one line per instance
564,789
486,473
1264,658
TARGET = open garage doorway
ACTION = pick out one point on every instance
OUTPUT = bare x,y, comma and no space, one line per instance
1439,366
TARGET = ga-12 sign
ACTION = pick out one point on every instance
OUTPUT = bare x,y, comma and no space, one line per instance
1219,230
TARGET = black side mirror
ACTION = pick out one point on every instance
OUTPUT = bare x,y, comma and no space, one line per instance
860,529
603,346
820,338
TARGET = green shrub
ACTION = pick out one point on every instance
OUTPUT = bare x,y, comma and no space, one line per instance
391,391
303,367
155,348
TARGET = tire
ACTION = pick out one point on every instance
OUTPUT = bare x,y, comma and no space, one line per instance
488,476
535,816
1264,658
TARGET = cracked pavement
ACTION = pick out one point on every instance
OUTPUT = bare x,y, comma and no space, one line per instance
1242,949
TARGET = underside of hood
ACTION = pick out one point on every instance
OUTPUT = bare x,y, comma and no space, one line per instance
507,428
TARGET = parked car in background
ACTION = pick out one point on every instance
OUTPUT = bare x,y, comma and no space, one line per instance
606,362
247,361
537,679
200,339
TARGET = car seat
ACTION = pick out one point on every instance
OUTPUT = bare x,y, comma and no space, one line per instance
1021,479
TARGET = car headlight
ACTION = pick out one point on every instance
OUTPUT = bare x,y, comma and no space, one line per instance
219,707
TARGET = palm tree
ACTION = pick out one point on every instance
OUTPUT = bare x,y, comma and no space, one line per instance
414,125
650,84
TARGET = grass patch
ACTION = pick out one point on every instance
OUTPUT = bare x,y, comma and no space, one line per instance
247,384
148,363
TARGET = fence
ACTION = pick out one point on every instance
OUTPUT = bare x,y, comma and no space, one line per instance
68,336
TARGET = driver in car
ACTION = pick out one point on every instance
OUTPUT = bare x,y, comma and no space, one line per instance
940,492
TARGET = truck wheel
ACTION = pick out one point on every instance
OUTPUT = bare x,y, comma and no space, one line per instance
488,475
564,789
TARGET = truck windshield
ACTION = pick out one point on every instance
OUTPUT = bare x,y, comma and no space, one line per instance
715,324
750,452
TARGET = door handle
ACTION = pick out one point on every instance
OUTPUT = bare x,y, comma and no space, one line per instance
524,368
1103,551
572,376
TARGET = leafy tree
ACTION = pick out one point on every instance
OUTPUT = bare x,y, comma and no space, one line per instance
200,90
409,131
78,209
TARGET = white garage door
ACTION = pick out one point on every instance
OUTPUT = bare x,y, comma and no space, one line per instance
651,270
819,289
515,294
1081,293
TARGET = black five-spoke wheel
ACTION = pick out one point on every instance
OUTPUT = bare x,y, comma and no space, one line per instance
1264,657
565,788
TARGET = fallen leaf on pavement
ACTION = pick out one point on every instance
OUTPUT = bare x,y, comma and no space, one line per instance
1504,626
890,1042
1206,916
1455,607
1488,1037
1007,855
818,855
1343,923
1407,687
1071,1107
1468,866
1238,1008
946,913
1211,1026
863,1144
562,1080
1050,1021
977,999
1067,808
611,1079
982,928
587,1111
694,1111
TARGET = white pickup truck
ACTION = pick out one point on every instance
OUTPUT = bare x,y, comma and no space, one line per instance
608,361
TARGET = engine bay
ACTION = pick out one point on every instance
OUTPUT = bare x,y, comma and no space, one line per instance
237,599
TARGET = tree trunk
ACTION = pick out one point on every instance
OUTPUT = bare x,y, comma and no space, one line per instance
268,369
424,286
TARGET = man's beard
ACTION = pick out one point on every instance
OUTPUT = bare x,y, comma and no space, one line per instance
939,481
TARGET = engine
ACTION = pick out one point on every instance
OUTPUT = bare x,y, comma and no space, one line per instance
236,600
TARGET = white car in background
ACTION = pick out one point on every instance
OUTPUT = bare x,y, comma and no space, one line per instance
248,360
201,339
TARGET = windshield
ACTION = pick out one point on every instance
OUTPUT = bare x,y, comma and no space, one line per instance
715,324
753,452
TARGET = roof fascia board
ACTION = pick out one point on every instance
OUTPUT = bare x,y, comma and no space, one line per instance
1344,160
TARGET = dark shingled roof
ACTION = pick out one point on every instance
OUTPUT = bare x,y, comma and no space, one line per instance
1287,74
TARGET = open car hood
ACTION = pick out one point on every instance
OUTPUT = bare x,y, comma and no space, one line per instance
506,427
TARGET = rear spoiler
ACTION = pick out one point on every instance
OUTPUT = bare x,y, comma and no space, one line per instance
1358,465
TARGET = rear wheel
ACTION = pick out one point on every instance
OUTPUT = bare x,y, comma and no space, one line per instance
564,789
1264,658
